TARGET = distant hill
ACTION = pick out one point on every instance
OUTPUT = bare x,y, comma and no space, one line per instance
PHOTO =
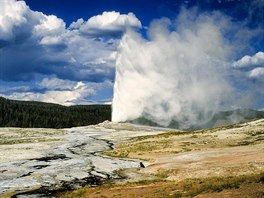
15,113
235,116
221,118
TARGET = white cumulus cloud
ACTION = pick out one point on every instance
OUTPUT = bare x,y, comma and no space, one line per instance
54,90
12,14
43,45
56,83
108,23
257,73
49,25
77,24
250,61
58,91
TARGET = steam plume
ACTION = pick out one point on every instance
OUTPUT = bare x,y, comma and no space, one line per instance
178,74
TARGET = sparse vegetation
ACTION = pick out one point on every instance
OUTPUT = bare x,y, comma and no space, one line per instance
21,135
181,162
125,149
31,140
193,187
162,188
180,141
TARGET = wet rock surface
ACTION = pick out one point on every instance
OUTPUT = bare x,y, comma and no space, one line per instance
65,159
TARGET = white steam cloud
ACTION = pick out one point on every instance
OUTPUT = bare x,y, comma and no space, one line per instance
178,74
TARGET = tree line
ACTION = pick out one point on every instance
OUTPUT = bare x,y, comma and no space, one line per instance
46,115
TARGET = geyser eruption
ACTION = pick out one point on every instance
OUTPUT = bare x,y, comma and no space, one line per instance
177,75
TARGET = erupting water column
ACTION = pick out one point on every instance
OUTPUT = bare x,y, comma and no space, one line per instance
172,76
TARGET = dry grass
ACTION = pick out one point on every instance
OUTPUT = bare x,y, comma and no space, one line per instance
21,135
161,188
188,177
31,140
179,141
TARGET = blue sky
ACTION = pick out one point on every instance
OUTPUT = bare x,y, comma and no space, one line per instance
65,51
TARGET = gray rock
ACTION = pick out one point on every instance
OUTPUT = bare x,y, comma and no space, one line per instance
72,161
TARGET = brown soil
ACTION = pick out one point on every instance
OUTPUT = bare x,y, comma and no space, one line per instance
169,189
252,190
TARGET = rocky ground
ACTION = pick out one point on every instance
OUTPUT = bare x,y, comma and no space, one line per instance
232,150
48,160
220,162
38,162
